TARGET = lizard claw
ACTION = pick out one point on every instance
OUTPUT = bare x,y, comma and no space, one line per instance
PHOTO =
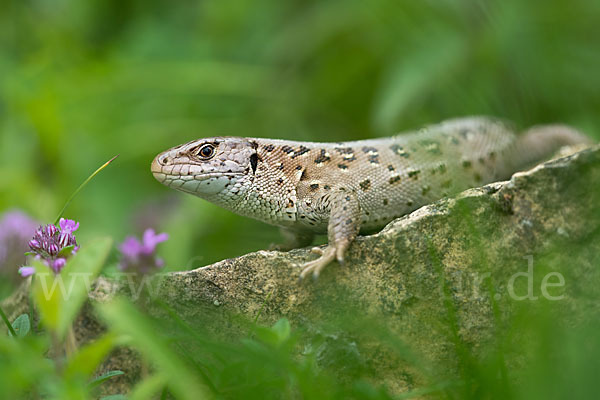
316,266
317,250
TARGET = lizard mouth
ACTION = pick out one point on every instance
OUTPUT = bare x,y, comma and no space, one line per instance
168,179
171,174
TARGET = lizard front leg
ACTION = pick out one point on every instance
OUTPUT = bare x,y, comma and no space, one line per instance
343,226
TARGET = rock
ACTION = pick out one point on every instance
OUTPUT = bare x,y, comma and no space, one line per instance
439,281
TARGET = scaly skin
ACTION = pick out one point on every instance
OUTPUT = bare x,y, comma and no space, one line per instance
344,188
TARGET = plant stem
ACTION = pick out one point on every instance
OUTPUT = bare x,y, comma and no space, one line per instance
7,322
81,187
70,343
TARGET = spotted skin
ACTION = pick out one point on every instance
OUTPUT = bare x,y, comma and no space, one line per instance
345,188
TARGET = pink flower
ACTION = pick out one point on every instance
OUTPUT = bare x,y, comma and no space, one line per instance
49,242
139,256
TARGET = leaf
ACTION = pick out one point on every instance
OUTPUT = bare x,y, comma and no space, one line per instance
59,297
104,377
45,296
123,318
148,388
416,75
79,273
282,329
66,251
114,397
275,335
21,325
87,359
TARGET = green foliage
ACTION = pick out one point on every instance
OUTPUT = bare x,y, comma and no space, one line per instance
59,297
126,320
21,326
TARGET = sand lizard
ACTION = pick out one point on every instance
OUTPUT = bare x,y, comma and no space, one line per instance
342,189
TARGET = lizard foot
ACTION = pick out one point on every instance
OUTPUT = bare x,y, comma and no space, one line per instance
315,267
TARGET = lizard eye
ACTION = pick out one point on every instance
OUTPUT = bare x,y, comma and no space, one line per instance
206,151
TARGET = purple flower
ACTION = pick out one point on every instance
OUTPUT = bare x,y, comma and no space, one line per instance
16,228
49,243
26,271
139,256
68,225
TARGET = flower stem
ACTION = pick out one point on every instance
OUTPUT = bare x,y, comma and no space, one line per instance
81,187
7,322
70,342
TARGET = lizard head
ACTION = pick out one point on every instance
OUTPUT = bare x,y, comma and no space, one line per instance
209,167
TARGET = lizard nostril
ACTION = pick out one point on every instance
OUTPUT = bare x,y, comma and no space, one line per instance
164,160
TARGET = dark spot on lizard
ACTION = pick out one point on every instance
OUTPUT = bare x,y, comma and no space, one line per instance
323,157
326,187
466,164
394,179
481,160
349,157
442,168
414,174
391,168
290,203
365,185
280,181
367,149
425,190
314,186
286,149
298,167
345,208
431,146
348,221
399,150
253,162
347,198
477,177
269,147
386,202
374,158
301,150
409,203
344,150
280,167
303,175
492,155
254,145
342,166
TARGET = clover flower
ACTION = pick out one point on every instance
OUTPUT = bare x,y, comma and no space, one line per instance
16,228
53,245
139,256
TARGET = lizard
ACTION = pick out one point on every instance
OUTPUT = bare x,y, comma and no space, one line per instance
344,188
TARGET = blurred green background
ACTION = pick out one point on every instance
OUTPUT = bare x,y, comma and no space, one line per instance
82,81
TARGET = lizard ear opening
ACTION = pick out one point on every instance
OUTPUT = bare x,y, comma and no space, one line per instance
254,162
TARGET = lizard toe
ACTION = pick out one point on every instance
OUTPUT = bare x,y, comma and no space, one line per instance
317,250
316,266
